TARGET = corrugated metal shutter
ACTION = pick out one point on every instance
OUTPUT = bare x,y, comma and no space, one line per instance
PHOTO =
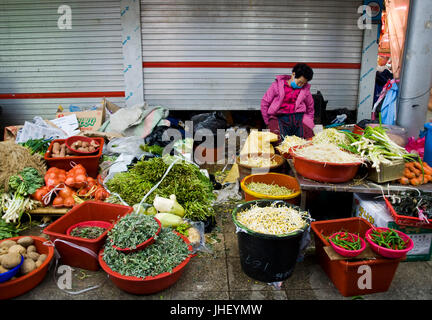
38,57
247,31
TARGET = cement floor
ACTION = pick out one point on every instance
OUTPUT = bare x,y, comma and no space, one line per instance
218,276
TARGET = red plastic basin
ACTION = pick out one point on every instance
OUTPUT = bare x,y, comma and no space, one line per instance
89,162
69,141
143,245
80,252
325,171
149,284
345,252
389,253
96,223
25,283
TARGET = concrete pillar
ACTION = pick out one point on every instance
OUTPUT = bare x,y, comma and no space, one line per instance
416,72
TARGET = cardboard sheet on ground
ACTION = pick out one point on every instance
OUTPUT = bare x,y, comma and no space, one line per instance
367,254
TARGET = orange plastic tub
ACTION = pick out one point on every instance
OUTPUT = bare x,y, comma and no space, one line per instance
89,162
23,284
271,178
80,252
345,274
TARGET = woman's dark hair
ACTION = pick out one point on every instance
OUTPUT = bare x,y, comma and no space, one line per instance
302,69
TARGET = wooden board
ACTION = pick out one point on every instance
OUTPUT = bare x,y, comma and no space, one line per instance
367,254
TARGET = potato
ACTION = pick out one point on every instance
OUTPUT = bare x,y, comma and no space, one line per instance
31,248
25,241
11,260
42,257
2,270
63,150
18,249
33,255
3,250
38,263
28,266
7,244
56,148
85,144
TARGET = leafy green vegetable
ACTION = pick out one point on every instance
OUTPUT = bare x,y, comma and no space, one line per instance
17,201
167,252
39,146
26,182
132,229
155,149
193,190
8,230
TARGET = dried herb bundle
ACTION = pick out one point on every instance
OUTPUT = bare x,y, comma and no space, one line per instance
87,232
167,252
132,229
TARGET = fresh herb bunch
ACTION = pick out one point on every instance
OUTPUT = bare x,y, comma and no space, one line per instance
183,229
167,252
39,146
87,232
21,185
133,229
194,191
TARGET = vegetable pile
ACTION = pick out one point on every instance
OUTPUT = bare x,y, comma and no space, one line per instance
258,161
269,189
346,241
193,190
330,136
39,146
132,230
167,252
274,219
289,142
11,253
376,146
60,150
16,202
327,153
413,204
416,173
69,188
389,239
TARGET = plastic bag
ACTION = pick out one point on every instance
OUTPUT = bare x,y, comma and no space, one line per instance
416,145
127,145
210,121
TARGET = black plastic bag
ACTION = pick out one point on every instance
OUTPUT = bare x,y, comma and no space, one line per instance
211,121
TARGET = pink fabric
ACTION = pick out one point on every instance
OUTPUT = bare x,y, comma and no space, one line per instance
274,97
288,104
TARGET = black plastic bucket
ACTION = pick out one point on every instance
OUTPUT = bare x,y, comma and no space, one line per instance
264,257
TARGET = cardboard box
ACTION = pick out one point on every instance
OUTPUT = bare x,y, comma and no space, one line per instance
387,172
375,211
88,120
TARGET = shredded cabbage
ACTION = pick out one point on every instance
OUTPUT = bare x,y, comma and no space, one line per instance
330,135
289,142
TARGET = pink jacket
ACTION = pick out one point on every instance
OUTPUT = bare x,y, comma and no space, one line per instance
273,98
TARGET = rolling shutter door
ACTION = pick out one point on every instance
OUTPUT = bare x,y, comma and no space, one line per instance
225,54
44,66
